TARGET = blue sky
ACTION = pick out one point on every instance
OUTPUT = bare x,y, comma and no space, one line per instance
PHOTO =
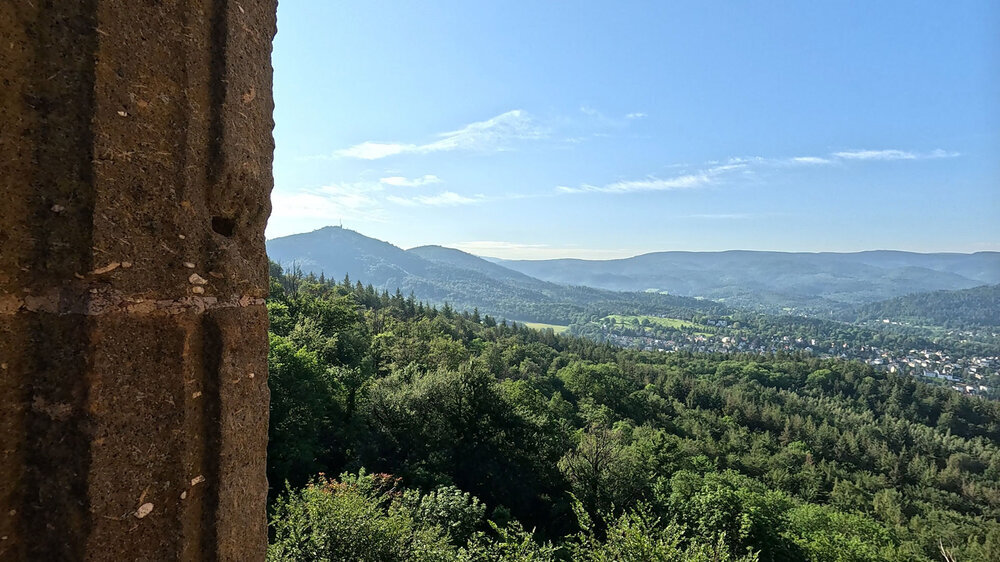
605,129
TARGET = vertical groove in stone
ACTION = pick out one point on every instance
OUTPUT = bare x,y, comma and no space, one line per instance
63,204
58,436
135,151
47,185
16,152
212,354
217,91
61,94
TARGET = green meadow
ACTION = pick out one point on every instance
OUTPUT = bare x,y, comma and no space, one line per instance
542,326
675,323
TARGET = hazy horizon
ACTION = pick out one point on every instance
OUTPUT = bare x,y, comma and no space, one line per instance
472,249
603,131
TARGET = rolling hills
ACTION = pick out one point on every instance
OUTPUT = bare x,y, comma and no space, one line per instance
848,287
803,282
438,275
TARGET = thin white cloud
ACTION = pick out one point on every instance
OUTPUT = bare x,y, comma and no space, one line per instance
685,181
496,134
328,202
369,150
597,116
492,134
747,165
737,160
443,199
816,160
876,155
651,184
892,154
400,181
866,155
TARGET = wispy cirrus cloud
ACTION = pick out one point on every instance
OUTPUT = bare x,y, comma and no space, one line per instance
715,171
850,156
875,155
443,199
400,181
699,179
499,133
370,150
364,200
599,116
649,184
329,202
892,154
816,160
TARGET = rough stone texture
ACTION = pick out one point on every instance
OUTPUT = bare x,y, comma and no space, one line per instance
135,143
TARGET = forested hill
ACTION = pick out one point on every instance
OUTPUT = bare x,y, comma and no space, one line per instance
440,275
463,260
808,282
969,308
454,435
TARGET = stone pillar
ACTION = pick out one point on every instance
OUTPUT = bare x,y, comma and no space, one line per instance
135,169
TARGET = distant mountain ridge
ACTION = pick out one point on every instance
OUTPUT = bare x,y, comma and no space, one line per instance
557,291
437,275
774,279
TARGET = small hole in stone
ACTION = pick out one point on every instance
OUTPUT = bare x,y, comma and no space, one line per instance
224,225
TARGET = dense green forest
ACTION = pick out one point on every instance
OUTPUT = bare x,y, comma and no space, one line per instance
400,431
976,307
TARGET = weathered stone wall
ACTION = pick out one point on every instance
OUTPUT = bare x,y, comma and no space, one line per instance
135,171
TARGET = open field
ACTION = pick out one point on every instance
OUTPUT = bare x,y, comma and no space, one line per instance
674,323
665,322
541,326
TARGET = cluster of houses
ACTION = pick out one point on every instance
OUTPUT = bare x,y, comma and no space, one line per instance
968,375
